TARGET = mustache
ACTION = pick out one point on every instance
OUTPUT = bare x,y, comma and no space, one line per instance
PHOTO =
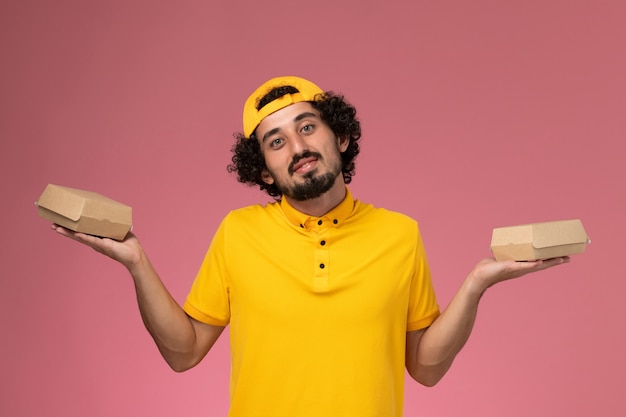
297,158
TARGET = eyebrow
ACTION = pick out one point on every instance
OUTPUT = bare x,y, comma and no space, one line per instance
295,119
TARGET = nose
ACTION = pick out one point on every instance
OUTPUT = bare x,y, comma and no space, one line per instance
298,144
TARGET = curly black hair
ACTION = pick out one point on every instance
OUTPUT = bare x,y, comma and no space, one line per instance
248,161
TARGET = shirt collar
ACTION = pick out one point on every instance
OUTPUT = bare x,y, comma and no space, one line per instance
336,215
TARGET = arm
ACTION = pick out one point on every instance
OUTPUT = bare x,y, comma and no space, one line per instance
182,341
430,352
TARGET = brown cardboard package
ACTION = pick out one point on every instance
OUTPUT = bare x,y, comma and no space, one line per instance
536,241
85,212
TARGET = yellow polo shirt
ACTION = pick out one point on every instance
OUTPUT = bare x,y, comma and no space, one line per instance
318,307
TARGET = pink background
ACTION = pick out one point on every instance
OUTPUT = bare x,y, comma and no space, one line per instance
476,114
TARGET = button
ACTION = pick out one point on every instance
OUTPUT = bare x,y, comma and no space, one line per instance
319,222
322,266
323,242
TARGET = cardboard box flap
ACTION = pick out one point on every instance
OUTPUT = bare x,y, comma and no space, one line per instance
68,204
101,208
502,236
565,232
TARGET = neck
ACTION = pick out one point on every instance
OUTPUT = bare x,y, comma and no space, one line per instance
323,204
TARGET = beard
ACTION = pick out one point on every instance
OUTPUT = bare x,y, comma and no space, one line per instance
314,185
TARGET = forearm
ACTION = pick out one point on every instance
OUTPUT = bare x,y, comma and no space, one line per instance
430,353
182,341
443,340
165,320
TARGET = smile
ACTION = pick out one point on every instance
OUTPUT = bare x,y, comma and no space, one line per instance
304,165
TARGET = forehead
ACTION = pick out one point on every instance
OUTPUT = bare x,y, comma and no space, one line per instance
285,117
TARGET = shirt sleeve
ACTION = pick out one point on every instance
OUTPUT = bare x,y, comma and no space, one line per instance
208,299
423,306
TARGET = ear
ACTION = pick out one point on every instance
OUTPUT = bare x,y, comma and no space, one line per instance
342,143
267,177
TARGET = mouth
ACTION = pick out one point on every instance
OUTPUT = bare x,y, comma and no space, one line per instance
304,164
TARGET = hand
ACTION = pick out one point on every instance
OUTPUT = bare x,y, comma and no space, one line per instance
128,252
489,271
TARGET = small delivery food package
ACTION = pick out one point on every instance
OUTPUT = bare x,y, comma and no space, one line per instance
85,212
529,242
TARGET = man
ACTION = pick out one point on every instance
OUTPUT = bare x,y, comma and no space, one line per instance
328,298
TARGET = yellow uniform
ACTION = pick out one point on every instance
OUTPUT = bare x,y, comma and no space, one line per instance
318,307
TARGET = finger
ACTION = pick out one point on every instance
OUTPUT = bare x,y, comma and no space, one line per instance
549,263
63,231
69,233
523,268
94,242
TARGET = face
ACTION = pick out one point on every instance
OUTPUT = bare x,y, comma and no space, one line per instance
302,154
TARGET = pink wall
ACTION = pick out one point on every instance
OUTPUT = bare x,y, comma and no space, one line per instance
475,114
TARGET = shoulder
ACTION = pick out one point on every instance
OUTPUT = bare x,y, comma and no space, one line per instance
252,214
368,210
366,213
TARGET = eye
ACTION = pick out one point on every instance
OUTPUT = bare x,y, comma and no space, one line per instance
276,142
307,128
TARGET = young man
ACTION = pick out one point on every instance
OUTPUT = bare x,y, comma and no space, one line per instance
328,299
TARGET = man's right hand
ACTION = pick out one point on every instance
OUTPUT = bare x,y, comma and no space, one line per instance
127,252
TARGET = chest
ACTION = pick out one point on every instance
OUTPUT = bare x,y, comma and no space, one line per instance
321,274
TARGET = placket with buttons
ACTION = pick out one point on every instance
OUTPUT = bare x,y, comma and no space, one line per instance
321,231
